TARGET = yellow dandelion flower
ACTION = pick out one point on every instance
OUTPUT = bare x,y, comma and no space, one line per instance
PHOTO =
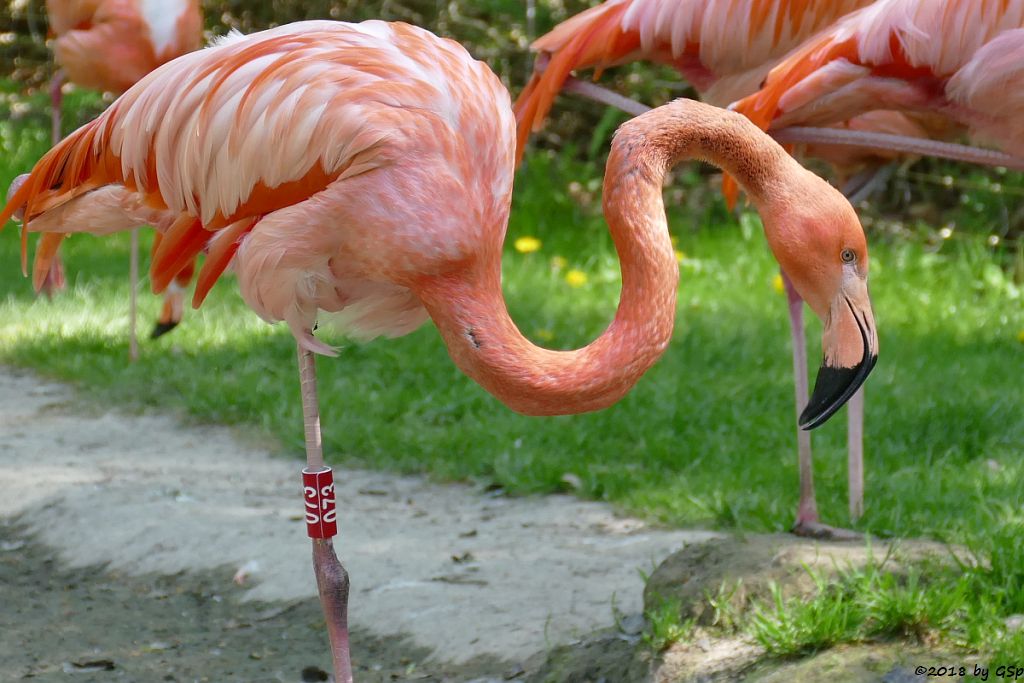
777,284
527,245
1020,336
576,278
544,334
559,262
680,255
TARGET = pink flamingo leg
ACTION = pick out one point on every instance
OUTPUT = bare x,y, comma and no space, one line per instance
855,449
807,512
133,295
54,281
331,577
807,522
56,98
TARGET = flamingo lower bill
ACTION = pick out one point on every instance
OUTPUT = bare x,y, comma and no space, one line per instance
834,386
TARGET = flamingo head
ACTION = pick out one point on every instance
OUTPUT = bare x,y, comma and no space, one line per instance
819,242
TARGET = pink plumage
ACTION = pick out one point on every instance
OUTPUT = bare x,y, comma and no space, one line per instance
724,48
961,59
367,170
192,137
109,45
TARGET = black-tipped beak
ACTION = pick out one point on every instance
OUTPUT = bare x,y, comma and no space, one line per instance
835,385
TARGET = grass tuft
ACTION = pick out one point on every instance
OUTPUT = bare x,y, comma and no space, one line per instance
665,627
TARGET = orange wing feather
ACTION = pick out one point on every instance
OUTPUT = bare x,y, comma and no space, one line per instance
592,38
921,42
707,40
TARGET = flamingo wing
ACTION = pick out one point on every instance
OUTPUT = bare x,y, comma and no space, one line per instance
993,82
895,54
723,47
173,27
66,15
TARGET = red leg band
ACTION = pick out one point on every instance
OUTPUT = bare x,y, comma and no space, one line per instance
318,493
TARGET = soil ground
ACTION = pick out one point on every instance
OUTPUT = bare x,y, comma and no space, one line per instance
141,548
120,537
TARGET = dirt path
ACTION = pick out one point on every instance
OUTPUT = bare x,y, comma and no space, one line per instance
459,575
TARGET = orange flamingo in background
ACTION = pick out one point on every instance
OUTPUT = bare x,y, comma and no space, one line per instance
959,59
109,45
724,49
386,200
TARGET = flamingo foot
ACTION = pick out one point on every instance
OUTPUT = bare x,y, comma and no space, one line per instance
172,311
54,281
162,328
823,532
332,584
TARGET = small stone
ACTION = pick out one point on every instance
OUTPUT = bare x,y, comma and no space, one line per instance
572,481
314,674
633,624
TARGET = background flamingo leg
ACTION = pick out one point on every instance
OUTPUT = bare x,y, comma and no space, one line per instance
54,281
56,100
133,296
857,189
807,522
855,449
331,578
807,511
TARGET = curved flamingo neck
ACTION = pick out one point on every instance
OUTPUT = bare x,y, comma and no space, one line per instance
469,309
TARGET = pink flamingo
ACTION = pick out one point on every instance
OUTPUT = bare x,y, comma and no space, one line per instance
724,51
386,197
109,45
961,61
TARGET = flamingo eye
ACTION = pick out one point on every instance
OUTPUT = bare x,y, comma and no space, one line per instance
848,256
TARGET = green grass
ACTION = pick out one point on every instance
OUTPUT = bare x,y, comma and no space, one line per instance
956,604
706,438
664,626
